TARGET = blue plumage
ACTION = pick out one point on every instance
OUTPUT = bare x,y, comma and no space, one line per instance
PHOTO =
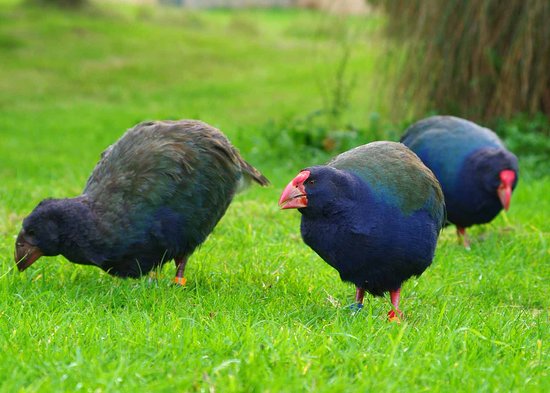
468,160
371,242
154,196
373,213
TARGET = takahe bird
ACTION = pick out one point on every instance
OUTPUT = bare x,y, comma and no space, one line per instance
374,213
155,195
476,172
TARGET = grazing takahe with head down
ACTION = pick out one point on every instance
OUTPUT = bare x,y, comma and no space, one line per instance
374,213
476,172
154,196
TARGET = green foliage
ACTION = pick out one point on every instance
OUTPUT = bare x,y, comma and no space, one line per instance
529,138
60,3
315,136
261,312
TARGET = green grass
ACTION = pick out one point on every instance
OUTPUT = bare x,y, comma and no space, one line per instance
261,312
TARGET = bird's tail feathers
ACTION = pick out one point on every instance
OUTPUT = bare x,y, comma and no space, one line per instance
250,173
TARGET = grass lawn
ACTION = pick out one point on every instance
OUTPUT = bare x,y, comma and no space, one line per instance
260,312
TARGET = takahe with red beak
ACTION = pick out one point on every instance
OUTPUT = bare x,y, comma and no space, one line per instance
374,213
154,196
476,172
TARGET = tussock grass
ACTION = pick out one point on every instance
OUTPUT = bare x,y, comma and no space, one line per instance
473,57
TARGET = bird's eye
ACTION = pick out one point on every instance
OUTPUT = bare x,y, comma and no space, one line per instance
30,232
311,181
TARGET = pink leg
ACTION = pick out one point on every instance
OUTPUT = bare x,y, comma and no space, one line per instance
359,295
463,236
395,314
180,265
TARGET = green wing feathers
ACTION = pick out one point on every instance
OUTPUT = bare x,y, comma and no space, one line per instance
155,161
395,174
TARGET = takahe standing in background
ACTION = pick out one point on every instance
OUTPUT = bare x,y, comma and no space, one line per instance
374,213
154,196
476,172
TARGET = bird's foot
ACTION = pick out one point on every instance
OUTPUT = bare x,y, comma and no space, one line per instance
463,238
180,281
395,316
356,307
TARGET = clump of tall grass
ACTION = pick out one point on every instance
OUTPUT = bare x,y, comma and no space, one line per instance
480,59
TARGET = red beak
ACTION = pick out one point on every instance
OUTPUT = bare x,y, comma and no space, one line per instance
504,191
294,195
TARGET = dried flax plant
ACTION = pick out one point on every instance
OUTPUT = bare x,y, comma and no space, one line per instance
482,59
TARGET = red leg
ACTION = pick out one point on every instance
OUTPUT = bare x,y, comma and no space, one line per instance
463,237
359,295
180,265
395,314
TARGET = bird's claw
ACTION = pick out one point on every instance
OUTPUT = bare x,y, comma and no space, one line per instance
180,281
394,316
356,307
